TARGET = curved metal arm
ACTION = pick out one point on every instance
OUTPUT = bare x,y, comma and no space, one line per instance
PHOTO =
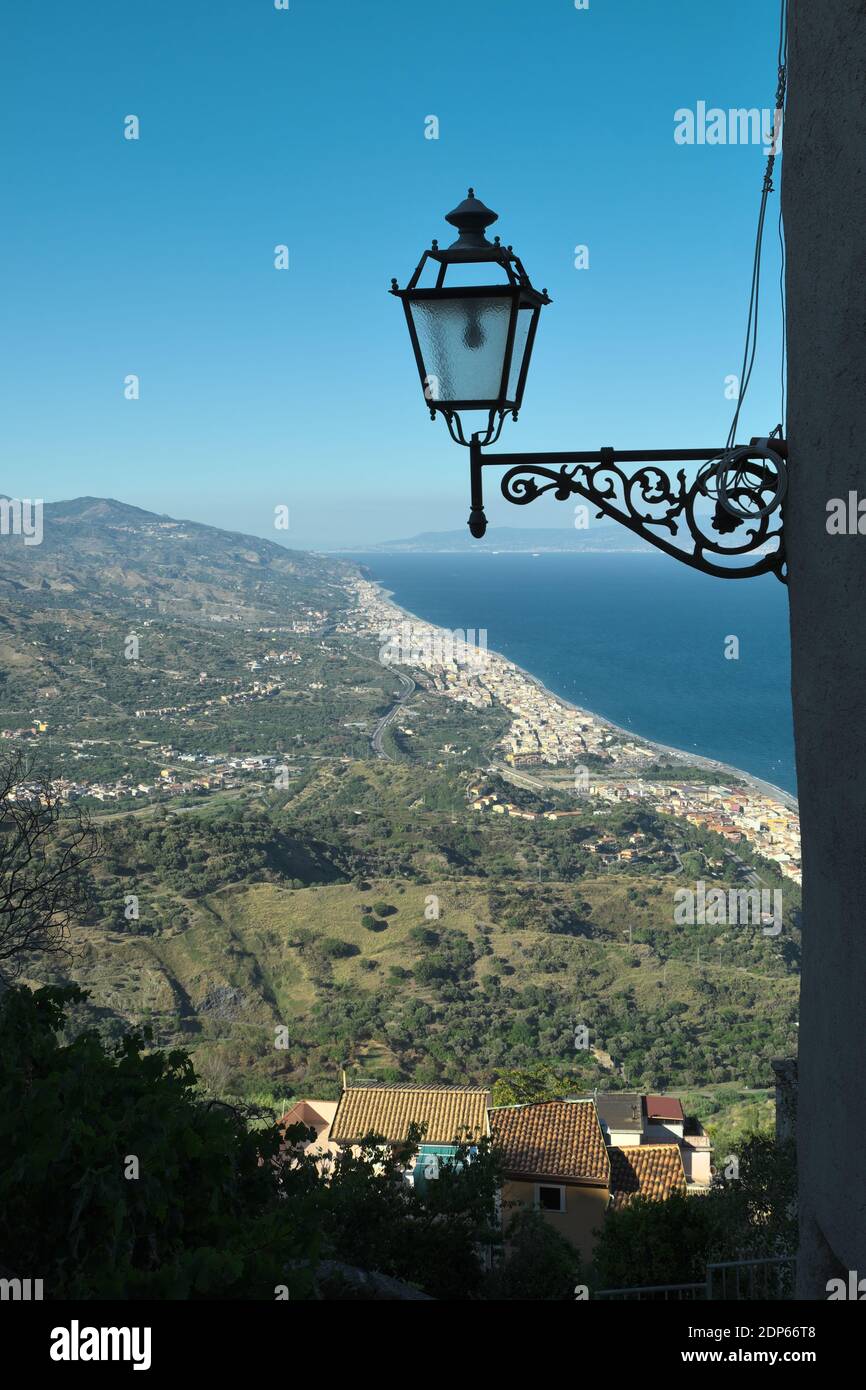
743,489
482,438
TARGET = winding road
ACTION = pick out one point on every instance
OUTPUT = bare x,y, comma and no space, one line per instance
376,736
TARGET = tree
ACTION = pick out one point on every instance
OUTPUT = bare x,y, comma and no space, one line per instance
45,850
371,1217
540,1264
120,1180
650,1242
752,1216
520,1086
756,1213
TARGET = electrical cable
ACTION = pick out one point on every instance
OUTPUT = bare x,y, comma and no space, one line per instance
751,345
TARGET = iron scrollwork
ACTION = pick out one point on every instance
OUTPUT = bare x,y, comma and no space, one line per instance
737,494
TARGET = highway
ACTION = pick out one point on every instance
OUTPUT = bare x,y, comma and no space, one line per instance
376,736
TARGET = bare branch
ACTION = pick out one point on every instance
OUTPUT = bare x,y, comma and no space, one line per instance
45,852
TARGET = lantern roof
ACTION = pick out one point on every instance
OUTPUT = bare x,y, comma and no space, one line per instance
472,218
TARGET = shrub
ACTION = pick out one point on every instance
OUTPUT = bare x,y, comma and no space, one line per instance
205,1221
424,936
540,1263
338,950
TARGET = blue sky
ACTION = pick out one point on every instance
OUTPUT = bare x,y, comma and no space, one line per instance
306,127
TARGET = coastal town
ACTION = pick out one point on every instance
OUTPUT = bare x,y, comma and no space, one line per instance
201,773
547,732
548,743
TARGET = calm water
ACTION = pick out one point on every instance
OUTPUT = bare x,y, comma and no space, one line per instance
636,638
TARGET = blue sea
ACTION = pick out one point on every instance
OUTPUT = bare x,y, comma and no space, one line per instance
636,638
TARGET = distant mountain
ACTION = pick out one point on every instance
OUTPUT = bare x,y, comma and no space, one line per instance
76,582
99,548
599,536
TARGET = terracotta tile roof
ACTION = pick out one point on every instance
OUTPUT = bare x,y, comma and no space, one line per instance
446,1112
551,1139
645,1170
664,1108
316,1113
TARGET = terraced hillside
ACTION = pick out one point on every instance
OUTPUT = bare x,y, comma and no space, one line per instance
353,909
283,940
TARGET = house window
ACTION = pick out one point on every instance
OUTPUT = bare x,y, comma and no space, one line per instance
550,1198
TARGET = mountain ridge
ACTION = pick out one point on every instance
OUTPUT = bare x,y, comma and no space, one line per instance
598,537
98,544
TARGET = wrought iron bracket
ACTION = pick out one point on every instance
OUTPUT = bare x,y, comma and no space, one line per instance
737,490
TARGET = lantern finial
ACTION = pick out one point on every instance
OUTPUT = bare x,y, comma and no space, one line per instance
471,218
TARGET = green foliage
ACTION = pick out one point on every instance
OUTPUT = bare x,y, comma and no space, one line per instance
201,1219
503,979
540,1265
672,1242
520,1086
757,1210
694,864
194,855
424,936
372,1218
652,1242
119,1181
335,949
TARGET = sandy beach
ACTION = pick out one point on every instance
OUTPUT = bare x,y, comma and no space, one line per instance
724,770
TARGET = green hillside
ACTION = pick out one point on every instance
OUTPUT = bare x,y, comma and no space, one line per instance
318,916
328,905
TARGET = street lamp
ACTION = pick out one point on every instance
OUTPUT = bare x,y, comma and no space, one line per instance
472,347
473,343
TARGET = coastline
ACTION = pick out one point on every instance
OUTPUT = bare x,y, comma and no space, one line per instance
749,779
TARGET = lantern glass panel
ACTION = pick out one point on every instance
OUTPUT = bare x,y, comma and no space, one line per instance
463,342
521,337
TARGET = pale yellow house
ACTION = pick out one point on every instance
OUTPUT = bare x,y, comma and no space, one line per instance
555,1160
